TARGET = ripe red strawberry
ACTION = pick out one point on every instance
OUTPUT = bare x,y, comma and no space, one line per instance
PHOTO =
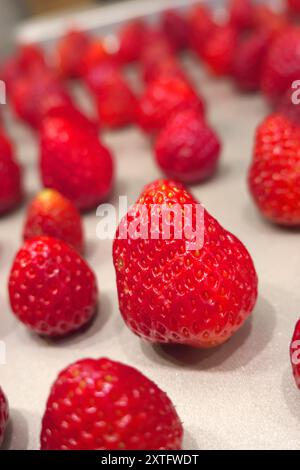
274,177
69,52
187,149
101,74
53,215
74,162
241,14
32,97
282,65
10,177
131,39
116,103
219,49
295,354
95,54
169,67
175,25
157,52
105,405
164,97
294,5
201,24
249,59
269,20
4,414
52,290
27,60
173,292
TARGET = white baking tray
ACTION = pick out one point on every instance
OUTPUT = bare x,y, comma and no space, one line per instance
239,396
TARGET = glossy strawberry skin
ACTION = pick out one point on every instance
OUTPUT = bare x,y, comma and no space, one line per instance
169,294
69,52
106,405
4,415
74,162
249,59
10,177
274,179
51,214
187,149
295,354
116,103
282,65
219,49
164,97
52,289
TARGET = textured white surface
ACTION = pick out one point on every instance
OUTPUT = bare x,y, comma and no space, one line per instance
241,395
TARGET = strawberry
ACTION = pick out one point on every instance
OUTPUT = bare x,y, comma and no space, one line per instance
241,14
219,49
27,60
295,354
164,97
157,52
249,59
294,5
274,178
74,162
53,215
103,73
10,176
175,26
52,290
169,67
116,103
4,415
171,291
32,97
130,39
69,52
201,24
269,20
187,148
99,404
95,54
282,65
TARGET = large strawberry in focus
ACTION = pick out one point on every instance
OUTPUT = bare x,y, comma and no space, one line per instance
282,65
274,175
74,162
53,215
99,404
182,278
52,290
164,97
4,415
10,176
